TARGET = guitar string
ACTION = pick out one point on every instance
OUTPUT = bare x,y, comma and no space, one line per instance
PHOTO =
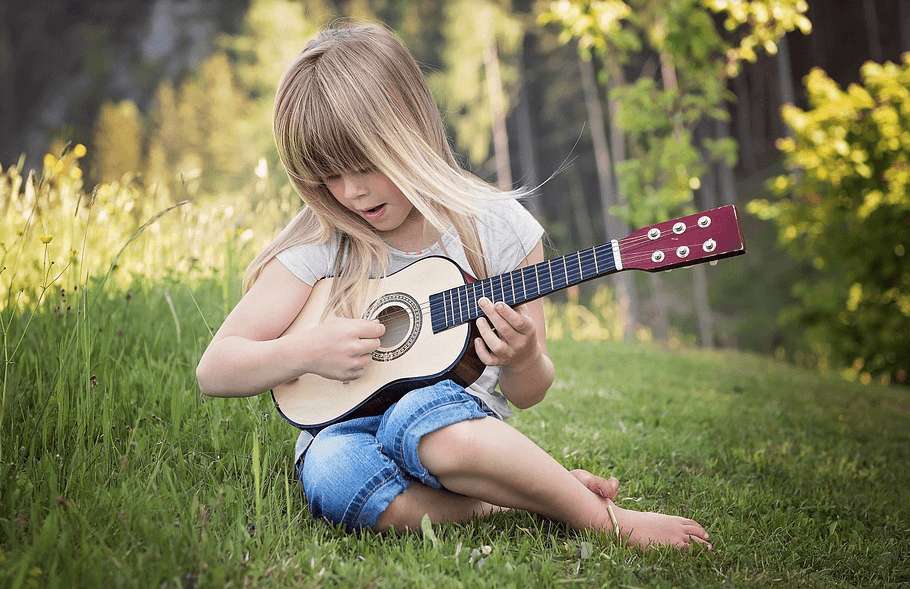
586,256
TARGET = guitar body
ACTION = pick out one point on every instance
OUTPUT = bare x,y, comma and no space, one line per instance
410,355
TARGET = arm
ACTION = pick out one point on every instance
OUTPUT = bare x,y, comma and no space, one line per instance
518,344
248,355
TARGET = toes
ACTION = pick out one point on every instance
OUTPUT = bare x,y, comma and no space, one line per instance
606,488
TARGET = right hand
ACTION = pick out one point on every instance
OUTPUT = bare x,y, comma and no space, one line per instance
341,347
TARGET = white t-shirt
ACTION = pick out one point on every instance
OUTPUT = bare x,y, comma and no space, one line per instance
508,233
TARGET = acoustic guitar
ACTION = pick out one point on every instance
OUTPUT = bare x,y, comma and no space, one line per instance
428,309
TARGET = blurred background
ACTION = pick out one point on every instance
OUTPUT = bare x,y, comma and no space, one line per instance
135,138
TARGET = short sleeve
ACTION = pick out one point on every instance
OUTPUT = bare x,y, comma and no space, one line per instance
310,261
508,233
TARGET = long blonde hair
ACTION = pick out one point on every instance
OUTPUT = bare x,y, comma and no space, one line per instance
353,100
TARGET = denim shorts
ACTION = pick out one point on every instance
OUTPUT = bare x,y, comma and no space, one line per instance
352,470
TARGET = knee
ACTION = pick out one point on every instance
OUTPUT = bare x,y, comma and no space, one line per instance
323,466
452,448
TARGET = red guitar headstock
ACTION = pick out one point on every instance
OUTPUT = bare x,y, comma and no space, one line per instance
705,236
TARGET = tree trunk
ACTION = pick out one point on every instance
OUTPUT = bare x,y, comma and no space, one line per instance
872,33
527,146
497,105
726,181
903,12
702,306
744,124
584,226
699,279
660,322
614,226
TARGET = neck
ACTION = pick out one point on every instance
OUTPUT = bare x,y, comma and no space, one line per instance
414,234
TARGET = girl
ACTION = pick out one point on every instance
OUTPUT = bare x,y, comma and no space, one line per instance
364,144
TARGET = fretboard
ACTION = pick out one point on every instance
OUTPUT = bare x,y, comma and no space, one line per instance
459,305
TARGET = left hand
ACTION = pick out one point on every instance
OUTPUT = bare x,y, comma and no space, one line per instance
508,336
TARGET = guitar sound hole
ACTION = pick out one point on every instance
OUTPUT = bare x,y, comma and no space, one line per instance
397,323
402,317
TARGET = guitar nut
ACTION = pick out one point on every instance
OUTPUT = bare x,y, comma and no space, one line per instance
654,233
709,246
704,221
678,228
657,257
682,251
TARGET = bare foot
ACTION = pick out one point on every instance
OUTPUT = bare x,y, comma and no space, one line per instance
642,529
606,488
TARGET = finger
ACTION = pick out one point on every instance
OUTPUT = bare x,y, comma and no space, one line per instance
373,329
492,346
505,318
484,354
493,314
486,329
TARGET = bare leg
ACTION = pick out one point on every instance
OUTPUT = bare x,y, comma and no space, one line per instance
407,510
492,461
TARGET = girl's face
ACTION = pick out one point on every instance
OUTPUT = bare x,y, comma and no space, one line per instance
375,198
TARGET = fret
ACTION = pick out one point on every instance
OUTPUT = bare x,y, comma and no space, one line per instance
508,289
463,308
448,308
591,264
573,269
604,253
532,283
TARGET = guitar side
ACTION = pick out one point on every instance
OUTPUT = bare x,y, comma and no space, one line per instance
410,355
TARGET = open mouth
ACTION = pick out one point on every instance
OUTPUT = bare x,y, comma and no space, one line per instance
374,212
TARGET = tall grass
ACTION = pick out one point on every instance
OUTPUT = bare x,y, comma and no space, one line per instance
115,473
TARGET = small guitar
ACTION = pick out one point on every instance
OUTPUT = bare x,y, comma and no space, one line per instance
428,311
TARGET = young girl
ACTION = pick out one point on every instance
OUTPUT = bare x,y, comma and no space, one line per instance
364,144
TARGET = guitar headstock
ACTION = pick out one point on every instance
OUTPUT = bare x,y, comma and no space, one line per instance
693,239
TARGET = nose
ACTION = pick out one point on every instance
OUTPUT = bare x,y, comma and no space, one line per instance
354,186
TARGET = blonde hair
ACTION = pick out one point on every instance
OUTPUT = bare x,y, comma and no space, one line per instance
355,100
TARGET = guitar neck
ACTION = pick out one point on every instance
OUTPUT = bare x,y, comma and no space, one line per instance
460,305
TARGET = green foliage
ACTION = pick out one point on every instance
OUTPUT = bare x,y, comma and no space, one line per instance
761,25
666,165
845,210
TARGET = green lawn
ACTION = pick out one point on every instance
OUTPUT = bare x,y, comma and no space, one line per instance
113,472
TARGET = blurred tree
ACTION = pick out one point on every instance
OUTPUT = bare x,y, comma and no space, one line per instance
481,50
118,141
845,209
215,130
681,84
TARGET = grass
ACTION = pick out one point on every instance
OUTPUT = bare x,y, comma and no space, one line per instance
114,473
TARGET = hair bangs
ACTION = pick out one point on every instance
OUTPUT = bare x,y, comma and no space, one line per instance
328,147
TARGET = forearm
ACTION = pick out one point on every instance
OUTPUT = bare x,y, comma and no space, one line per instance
238,367
526,384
